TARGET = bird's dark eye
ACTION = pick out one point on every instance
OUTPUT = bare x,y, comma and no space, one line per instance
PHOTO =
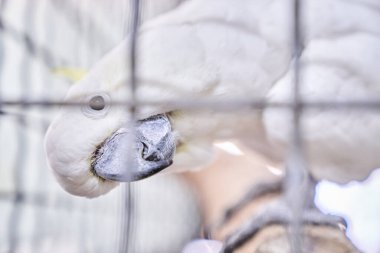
97,103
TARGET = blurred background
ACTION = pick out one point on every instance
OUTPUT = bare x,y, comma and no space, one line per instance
39,42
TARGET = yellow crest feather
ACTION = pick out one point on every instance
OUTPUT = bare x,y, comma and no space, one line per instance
72,74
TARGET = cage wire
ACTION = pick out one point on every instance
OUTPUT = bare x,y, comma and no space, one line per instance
31,207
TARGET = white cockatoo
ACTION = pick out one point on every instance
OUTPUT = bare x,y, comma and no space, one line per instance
224,50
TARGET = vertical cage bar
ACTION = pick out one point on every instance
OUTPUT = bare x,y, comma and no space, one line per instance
128,200
297,177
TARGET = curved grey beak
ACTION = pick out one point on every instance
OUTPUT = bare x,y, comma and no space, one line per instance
124,158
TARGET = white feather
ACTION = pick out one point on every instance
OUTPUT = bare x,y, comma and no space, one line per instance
224,49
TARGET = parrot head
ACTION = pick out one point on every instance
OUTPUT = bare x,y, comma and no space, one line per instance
93,146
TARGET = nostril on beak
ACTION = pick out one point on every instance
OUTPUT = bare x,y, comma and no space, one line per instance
144,151
153,157
150,154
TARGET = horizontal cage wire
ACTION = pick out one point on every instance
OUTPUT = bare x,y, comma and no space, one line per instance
36,208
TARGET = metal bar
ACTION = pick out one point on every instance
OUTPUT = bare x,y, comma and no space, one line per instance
129,201
197,104
296,177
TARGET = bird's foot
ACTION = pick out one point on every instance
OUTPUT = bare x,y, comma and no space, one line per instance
275,213
278,213
256,192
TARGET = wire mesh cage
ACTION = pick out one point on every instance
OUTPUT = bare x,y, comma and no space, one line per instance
316,91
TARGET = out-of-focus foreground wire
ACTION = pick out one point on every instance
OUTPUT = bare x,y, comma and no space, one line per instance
127,221
296,172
